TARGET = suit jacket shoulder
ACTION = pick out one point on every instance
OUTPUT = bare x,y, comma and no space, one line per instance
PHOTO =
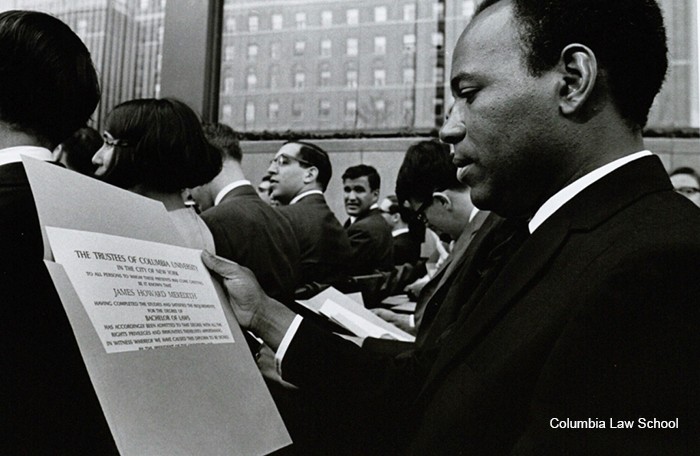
372,244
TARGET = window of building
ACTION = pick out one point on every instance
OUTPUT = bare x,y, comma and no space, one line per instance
249,112
351,78
408,106
438,75
297,109
379,77
380,45
438,10
82,28
229,53
228,84
273,111
252,51
277,22
299,47
380,106
253,23
226,111
274,77
324,109
300,21
409,12
380,14
409,76
144,4
327,18
299,79
352,16
326,48
352,46
468,8
251,79
350,110
324,79
437,39
409,42
230,25
275,50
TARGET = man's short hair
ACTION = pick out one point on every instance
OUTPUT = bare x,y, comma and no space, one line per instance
223,138
318,158
79,149
48,85
161,146
427,167
686,170
398,208
357,171
627,37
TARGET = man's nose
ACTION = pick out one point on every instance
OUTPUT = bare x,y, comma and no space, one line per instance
454,129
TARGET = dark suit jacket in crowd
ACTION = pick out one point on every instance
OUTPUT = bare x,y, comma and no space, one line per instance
250,232
49,404
595,317
324,245
371,242
406,249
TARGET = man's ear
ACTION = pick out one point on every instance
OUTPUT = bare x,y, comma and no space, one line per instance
579,68
375,195
310,174
444,199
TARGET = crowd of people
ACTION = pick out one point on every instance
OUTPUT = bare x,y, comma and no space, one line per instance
564,286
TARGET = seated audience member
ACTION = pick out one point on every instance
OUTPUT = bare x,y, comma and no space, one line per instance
368,232
245,228
686,181
427,180
264,191
76,152
579,311
156,148
48,90
299,174
406,244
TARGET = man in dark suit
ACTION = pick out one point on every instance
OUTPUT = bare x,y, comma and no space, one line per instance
406,244
369,234
48,90
580,309
245,228
299,174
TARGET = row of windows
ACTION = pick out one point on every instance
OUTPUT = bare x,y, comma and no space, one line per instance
379,78
352,17
324,109
352,47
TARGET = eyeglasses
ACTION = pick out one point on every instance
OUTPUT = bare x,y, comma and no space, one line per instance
109,140
687,191
284,159
420,212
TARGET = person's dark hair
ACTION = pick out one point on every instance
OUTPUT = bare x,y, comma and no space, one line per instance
397,208
627,36
48,84
318,158
223,138
357,171
427,167
686,170
79,149
163,146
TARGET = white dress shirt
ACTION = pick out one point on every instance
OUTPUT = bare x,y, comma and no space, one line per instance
305,194
14,154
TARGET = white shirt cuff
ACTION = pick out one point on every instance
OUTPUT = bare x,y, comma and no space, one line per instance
412,321
286,340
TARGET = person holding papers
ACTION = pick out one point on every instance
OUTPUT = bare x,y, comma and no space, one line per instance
48,90
157,148
585,311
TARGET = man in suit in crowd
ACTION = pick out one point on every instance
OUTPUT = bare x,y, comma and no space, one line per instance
581,308
686,181
427,180
245,228
299,174
406,246
48,90
369,234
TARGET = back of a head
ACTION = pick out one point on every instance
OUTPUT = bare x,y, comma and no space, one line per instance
318,158
79,148
223,138
427,167
48,85
627,37
165,148
357,171
686,170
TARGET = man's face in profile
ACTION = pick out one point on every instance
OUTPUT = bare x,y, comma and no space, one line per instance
286,173
501,122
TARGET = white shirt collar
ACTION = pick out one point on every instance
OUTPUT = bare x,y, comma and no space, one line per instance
14,154
399,232
473,213
306,193
563,196
224,191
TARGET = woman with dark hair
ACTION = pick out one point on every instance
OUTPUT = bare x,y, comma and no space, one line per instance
157,148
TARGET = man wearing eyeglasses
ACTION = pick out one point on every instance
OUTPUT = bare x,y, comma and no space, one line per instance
686,181
299,174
